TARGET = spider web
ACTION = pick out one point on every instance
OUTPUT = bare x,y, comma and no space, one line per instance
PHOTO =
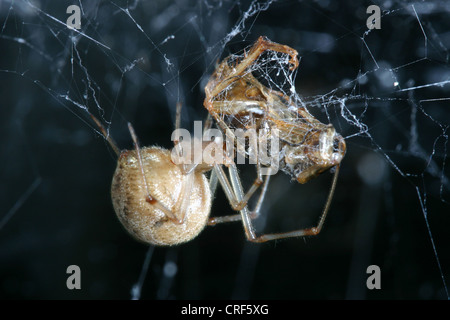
385,91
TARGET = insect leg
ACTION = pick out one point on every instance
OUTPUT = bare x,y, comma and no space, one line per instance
262,45
302,232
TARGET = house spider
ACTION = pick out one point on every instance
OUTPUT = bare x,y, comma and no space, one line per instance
161,202
164,203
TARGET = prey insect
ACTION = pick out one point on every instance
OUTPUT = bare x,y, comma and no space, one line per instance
307,147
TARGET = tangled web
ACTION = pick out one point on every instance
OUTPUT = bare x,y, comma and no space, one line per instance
386,91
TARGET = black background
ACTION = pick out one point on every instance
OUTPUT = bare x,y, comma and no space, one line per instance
55,207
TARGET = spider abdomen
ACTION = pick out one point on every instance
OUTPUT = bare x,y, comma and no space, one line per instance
187,196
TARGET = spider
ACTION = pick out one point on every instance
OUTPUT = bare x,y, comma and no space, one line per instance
161,202
236,99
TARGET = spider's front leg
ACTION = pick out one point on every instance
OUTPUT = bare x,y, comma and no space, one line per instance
236,204
251,235
230,194
149,198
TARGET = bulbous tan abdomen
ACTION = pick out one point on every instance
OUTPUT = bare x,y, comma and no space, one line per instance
165,182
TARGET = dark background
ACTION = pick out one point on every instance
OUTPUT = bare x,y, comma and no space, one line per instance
391,205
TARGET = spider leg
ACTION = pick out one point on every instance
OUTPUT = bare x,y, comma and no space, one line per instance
172,216
150,199
106,135
178,117
237,217
236,204
227,187
251,236
257,210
